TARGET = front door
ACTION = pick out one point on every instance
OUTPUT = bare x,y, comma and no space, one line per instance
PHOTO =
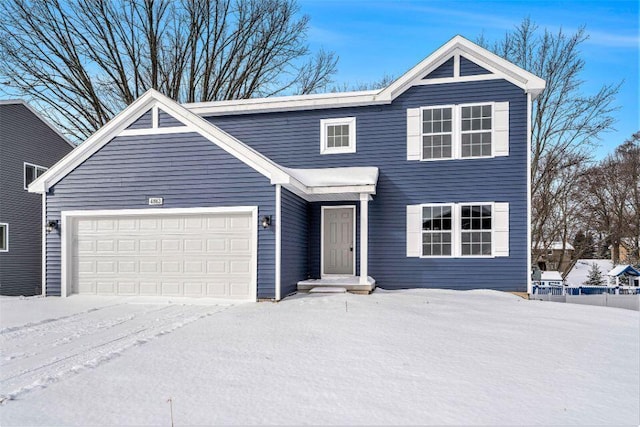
338,240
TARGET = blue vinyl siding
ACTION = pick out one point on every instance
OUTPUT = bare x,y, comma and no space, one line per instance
470,68
143,122
185,169
444,70
167,120
294,236
293,140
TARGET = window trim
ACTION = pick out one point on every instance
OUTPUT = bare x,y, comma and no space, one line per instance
456,230
324,123
454,126
493,127
24,172
6,236
456,131
493,228
453,230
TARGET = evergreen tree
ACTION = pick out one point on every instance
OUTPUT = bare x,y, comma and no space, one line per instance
595,277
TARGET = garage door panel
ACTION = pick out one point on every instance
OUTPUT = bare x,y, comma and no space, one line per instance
180,255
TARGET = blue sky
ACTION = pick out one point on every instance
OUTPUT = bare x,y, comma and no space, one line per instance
374,38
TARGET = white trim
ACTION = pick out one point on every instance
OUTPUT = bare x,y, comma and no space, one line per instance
453,230
6,236
322,210
24,173
456,229
278,220
458,45
67,227
456,66
493,126
157,131
364,238
129,115
44,245
529,240
461,79
456,131
453,133
342,121
39,116
154,117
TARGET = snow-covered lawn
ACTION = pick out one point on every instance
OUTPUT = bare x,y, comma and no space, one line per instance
406,357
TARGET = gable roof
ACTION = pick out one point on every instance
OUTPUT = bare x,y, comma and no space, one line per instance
454,48
297,180
623,269
39,116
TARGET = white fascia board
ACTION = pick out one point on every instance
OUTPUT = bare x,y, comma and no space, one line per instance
287,103
368,189
126,117
39,116
96,141
484,58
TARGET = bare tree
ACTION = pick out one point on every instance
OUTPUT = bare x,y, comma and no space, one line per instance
613,202
85,60
566,123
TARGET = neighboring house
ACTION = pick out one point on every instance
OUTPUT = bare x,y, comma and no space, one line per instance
628,251
579,274
625,275
421,184
29,145
556,256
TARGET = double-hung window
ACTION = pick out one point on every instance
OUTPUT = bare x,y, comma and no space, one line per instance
462,131
436,230
31,173
475,131
437,133
476,227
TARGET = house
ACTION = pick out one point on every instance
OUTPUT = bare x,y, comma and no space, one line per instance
579,274
555,256
29,145
421,184
628,250
624,275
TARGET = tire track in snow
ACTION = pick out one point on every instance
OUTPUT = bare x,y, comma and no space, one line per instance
44,366
27,342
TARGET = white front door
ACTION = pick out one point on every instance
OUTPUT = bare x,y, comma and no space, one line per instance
338,240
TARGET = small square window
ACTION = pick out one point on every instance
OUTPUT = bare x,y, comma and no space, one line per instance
31,173
338,135
4,237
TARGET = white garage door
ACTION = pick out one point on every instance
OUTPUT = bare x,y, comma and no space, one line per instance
194,255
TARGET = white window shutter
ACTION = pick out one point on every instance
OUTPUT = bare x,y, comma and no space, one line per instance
501,229
413,134
501,129
414,230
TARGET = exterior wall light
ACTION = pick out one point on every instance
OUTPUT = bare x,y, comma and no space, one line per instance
51,225
265,221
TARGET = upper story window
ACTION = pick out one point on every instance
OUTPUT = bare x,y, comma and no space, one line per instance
31,173
4,237
338,135
476,131
437,133
463,131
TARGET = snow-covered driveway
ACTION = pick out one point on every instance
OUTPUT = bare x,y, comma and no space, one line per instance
38,353
408,357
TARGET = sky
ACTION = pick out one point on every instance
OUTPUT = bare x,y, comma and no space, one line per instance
377,38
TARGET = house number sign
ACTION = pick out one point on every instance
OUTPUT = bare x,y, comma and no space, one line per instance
156,201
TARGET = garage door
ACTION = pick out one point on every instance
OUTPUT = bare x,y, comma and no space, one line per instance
202,255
